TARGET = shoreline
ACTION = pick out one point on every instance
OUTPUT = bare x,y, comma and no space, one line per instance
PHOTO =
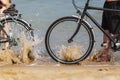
57,71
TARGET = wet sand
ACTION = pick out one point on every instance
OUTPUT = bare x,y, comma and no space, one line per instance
26,67
56,71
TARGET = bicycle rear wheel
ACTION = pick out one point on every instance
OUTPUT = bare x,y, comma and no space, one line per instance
18,31
58,47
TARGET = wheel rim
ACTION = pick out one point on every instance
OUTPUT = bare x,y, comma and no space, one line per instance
57,45
19,34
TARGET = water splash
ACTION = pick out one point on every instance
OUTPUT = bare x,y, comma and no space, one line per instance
70,53
101,56
10,57
27,52
26,55
37,43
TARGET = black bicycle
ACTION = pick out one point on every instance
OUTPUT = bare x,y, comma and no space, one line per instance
13,28
75,31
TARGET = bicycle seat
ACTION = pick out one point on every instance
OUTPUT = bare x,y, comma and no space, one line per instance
12,11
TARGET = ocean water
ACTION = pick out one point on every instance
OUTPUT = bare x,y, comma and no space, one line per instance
41,13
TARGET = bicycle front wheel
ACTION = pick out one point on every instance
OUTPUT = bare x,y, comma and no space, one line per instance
19,33
58,45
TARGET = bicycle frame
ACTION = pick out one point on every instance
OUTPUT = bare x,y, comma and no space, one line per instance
86,13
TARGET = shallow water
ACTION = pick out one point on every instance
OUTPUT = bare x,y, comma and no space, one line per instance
41,13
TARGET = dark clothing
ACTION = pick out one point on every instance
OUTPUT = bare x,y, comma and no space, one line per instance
1,5
111,19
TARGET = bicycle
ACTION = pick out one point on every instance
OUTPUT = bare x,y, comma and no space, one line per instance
75,30
17,28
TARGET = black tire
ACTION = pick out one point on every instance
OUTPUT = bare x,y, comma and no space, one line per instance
56,38
17,29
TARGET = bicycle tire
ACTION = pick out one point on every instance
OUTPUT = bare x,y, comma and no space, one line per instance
18,28
52,39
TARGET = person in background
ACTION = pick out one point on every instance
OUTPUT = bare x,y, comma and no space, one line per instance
110,20
4,5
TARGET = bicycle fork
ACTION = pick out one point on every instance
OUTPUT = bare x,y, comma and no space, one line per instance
77,30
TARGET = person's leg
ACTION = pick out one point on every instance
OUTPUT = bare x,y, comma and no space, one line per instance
106,26
106,40
6,28
107,45
105,56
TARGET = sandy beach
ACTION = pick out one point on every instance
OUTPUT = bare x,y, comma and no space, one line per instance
26,67
57,71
